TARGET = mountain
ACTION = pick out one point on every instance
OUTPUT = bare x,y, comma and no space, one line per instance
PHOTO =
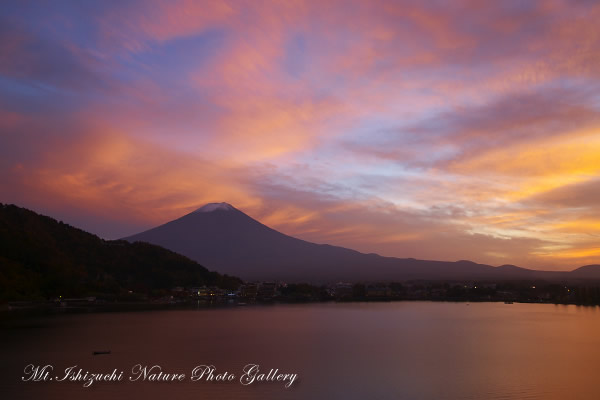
587,272
43,258
226,239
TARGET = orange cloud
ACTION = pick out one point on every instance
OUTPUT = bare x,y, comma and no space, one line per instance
443,131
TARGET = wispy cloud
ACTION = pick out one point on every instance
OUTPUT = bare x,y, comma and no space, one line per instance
414,129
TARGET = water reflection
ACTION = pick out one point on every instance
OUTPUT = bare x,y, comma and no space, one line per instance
402,350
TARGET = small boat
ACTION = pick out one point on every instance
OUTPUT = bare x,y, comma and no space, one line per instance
508,302
99,352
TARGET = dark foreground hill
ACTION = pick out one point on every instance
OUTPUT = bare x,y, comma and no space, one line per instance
224,238
43,258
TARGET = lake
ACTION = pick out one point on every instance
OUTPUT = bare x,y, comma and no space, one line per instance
397,350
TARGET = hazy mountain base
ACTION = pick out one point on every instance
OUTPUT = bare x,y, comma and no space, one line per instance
41,258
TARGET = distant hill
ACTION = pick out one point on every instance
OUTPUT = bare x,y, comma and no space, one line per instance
226,239
587,272
43,258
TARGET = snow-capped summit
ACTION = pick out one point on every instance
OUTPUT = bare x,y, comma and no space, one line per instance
210,207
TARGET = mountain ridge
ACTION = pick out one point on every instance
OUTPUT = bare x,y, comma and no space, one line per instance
232,242
43,258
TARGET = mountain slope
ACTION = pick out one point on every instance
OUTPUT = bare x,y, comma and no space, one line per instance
587,272
230,241
43,258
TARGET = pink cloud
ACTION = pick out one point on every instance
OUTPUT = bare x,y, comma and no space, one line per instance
407,128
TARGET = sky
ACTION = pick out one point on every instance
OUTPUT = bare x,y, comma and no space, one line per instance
441,130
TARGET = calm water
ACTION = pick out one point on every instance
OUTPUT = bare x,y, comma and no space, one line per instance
402,350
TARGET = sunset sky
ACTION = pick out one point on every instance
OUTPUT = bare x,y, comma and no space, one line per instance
437,130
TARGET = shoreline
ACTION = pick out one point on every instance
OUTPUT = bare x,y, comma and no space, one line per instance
45,309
